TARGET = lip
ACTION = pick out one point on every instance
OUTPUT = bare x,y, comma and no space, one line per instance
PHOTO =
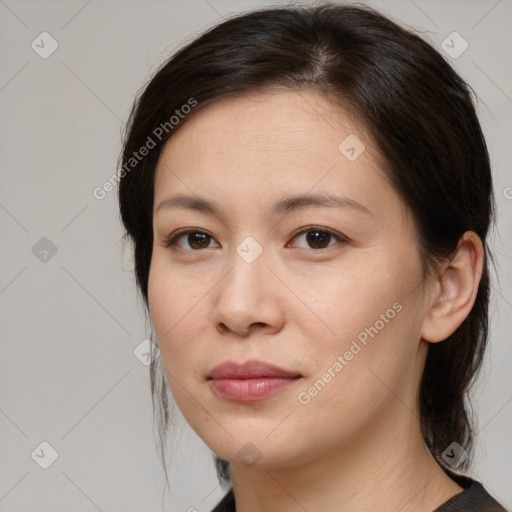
250,381
250,370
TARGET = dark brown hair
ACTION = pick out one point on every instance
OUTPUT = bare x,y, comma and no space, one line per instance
421,116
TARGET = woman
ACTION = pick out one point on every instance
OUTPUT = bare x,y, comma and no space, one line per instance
309,195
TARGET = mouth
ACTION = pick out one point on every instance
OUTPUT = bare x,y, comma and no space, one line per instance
250,381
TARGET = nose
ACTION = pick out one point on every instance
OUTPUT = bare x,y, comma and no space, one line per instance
248,299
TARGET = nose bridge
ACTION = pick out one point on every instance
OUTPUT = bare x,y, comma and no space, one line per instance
246,295
248,268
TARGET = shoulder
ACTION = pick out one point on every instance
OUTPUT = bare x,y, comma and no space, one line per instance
227,504
473,498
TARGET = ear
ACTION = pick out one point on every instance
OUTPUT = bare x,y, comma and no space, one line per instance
454,289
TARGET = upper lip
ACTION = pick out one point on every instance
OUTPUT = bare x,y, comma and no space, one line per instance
249,370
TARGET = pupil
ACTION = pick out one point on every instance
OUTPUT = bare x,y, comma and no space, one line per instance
317,237
197,239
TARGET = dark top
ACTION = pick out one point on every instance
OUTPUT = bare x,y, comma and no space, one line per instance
474,498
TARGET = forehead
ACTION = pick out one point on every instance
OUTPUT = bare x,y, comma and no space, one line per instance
272,131
279,120
259,148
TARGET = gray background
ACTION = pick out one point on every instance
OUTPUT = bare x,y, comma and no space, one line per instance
70,324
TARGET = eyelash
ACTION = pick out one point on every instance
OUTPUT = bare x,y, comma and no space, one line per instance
173,239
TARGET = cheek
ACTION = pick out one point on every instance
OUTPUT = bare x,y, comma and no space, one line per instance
370,331
354,381
171,297
377,368
177,314
344,302
160,301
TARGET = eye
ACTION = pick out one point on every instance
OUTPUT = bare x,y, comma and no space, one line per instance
318,237
197,239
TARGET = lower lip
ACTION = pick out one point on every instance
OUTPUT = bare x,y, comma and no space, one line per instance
245,390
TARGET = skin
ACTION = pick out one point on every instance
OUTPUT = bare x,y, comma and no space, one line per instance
356,445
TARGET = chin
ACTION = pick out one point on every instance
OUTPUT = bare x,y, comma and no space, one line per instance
258,450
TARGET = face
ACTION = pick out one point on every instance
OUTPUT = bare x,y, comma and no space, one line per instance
329,290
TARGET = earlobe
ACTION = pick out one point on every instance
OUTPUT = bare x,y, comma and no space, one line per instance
455,287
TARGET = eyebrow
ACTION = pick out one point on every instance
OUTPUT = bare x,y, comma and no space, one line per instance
289,204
